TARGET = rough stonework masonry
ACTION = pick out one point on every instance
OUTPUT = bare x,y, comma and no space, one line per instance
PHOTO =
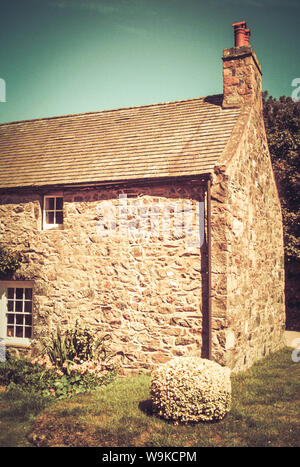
159,224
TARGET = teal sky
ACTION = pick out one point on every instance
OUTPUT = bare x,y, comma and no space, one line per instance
69,56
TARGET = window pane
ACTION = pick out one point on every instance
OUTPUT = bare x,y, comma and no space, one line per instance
19,306
49,204
10,292
10,331
19,319
10,319
59,217
19,325
28,294
28,307
19,331
28,320
59,204
19,294
50,217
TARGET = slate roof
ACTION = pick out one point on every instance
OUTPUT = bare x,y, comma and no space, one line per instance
160,140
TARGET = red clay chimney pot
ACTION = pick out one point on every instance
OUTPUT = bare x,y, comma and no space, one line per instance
241,34
247,36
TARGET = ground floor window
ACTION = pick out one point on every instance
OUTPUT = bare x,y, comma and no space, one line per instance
16,311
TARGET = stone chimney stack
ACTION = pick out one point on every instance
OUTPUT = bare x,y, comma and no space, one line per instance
241,71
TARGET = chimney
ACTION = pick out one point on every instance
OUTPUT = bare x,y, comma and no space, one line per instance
241,71
241,34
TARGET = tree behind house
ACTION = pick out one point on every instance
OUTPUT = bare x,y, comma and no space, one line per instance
282,122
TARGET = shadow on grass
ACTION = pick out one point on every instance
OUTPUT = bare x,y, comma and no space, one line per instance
146,406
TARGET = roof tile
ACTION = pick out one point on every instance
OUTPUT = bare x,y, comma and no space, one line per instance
159,140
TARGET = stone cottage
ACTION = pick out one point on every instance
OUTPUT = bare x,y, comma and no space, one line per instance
158,224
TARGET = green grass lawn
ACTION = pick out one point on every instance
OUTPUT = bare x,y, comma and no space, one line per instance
17,413
265,412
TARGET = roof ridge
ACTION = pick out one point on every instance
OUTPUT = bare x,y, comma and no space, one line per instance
94,112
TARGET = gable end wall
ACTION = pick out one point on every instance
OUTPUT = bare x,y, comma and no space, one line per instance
248,265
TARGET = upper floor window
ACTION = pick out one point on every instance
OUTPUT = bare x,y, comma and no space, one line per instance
53,212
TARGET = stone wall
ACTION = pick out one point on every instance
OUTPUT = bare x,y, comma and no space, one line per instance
129,266
247,245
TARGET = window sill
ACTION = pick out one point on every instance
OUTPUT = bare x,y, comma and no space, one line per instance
50,228
17,342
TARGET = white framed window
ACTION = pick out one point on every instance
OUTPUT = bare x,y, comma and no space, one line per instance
53,212
16,311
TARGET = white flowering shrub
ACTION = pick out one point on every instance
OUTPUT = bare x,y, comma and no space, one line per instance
191,389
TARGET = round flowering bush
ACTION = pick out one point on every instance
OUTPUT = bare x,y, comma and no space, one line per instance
189,389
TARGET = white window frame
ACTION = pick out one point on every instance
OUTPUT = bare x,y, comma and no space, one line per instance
47,226
4,286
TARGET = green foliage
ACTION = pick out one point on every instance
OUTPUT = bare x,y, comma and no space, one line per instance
71,363
9,262
77,344
23,375
282,122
